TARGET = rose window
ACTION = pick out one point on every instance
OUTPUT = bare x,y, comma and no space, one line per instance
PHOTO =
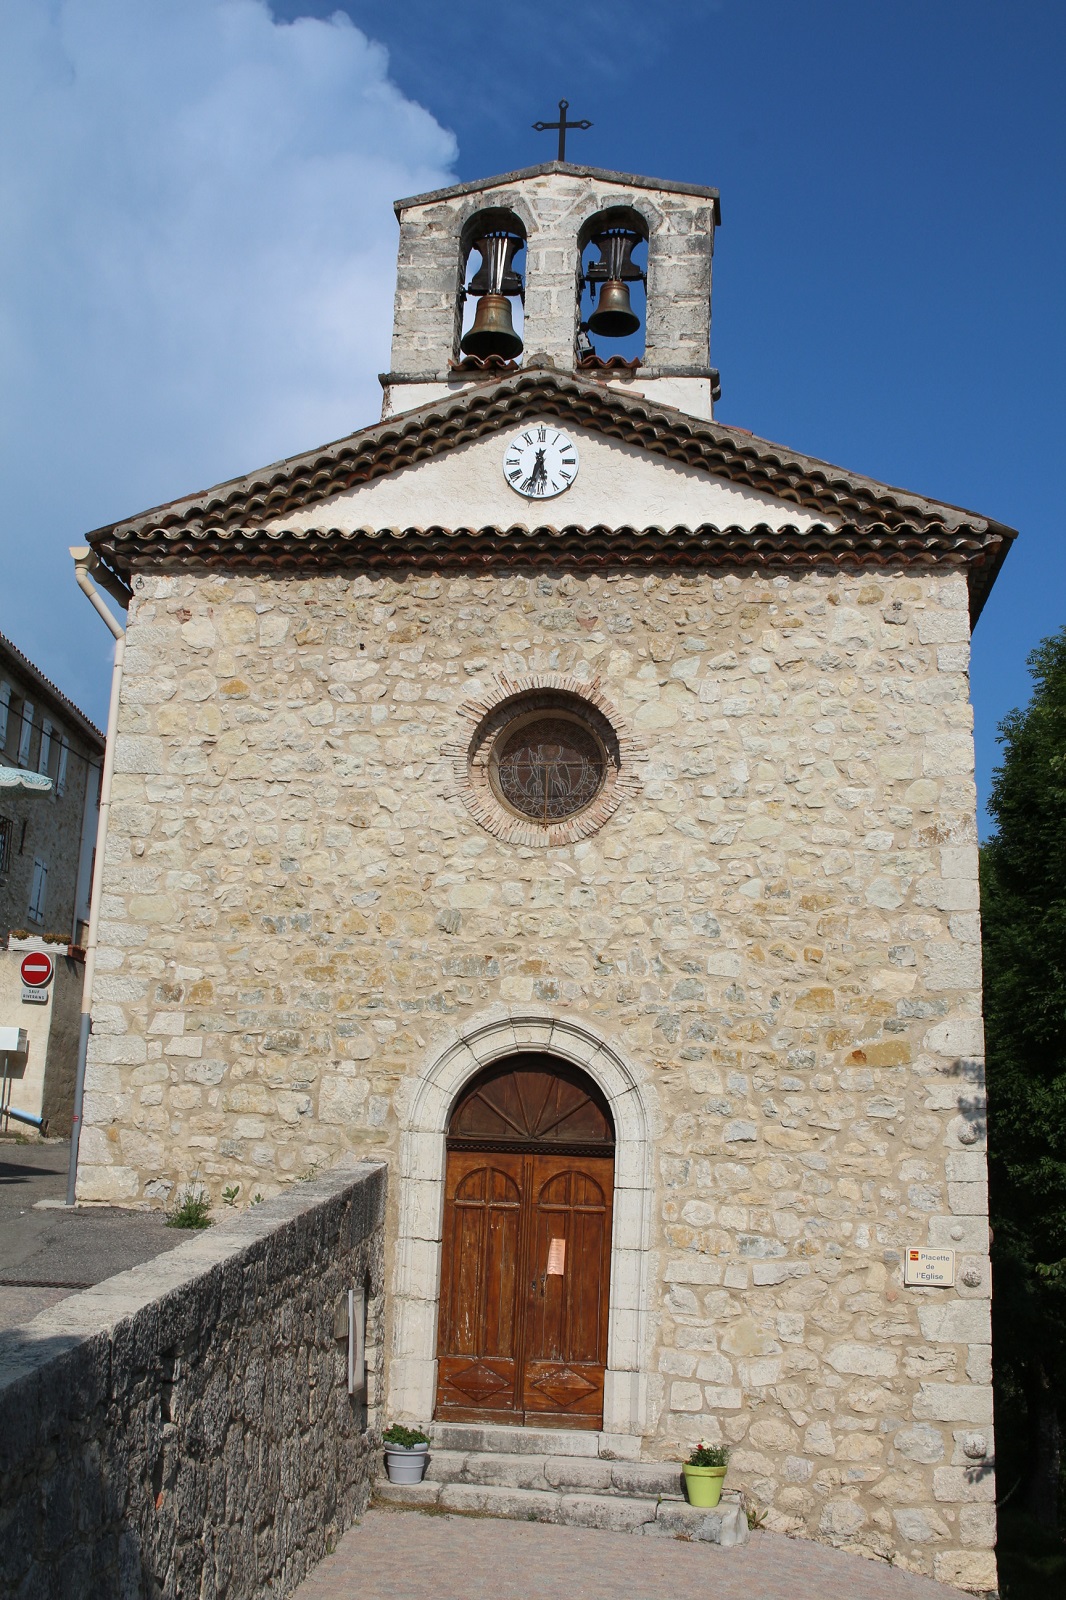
548,768
544,764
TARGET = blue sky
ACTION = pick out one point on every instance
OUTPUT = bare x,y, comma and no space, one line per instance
197,271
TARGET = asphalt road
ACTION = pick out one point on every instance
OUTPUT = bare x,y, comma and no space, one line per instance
47,1254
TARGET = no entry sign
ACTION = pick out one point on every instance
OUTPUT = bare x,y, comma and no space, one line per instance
36,970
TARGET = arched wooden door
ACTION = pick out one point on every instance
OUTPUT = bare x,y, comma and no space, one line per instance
527,1248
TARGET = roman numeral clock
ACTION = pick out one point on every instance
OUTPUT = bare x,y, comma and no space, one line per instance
540,463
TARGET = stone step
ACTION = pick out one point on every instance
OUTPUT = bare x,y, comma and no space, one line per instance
505,1439
726,1525
556,1472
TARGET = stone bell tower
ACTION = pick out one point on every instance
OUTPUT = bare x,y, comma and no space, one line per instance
545,219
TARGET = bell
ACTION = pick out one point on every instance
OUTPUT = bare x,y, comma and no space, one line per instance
613,317
492,332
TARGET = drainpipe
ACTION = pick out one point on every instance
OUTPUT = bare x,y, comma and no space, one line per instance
86,563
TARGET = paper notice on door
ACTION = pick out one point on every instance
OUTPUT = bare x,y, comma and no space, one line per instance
556,1257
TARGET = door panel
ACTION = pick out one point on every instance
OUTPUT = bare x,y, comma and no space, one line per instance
566,1337
479,1304
526,1249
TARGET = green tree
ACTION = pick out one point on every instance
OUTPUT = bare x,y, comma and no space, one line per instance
1023,898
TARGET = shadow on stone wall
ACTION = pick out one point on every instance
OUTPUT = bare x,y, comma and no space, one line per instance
185,1429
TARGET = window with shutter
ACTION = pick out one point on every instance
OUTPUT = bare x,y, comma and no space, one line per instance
38,891
61,770
5,706
25,732
7,829
44,755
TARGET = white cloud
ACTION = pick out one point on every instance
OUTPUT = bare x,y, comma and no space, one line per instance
197,252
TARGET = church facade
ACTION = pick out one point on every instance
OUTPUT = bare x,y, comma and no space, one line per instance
606,865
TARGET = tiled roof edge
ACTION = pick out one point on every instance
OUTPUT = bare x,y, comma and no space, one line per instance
706,547
45,686
441,425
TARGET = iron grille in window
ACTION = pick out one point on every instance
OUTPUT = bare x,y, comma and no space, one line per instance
6,830
550,768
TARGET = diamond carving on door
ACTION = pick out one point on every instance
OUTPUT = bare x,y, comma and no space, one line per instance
478,1381
562,1386
526,1248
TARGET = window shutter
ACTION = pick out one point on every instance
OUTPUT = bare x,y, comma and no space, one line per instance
38,891
24,735
44,755
61,770
5,702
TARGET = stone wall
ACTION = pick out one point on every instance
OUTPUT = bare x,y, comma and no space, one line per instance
778,931
185,1428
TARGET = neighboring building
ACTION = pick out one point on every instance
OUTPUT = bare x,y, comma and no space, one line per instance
607,865
45,1021
46,839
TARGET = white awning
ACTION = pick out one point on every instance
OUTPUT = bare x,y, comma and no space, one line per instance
19,778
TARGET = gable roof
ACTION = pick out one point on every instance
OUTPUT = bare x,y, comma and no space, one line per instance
569,169
869,521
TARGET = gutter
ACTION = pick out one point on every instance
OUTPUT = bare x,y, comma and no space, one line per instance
86,565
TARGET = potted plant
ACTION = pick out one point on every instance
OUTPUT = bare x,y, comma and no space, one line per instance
703,1472
405,1453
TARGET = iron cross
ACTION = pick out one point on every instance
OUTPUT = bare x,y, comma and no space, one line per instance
562,125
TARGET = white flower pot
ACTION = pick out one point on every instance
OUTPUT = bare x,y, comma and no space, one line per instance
405,1463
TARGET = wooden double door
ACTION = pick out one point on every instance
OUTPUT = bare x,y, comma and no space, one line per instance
526,1252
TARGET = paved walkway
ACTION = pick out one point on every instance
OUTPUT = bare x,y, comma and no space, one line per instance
396,1555
48,1254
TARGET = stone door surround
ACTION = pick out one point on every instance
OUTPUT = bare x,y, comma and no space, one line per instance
424,1111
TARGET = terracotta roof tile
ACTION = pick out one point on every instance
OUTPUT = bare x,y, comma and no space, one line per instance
881,523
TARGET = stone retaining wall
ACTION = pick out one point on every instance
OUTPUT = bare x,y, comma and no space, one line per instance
185,1429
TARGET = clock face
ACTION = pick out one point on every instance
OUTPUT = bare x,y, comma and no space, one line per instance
540,462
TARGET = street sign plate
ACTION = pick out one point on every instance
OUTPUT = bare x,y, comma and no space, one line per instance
933,1268
36,969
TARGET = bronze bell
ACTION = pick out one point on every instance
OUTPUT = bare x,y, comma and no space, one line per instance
614,316
492,331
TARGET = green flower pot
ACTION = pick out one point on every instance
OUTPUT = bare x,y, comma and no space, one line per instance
703,1485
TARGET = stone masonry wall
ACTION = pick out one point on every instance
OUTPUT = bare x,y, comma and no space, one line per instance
779,930
185,1429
